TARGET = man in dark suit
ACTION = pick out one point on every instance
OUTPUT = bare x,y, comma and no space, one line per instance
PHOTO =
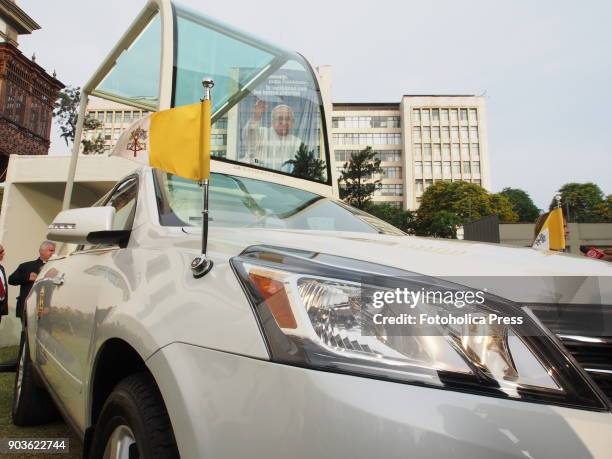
3,288
26,274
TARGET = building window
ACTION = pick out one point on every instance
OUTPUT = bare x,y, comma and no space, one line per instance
384,155
418,169
465,152
473,117
464,134
416,116
107,134
416,134
446,169
425,116
475,151
435,134
466,168
392,172
127,117
365,122
218,153
109,117
397,204
453,116
476,168
446,156
427,151
456,169
436,152
444,115
366,139
426,134
445,134
437,169
474,134
427,169
455,134
390,189
435,115
390,156
417,151
455,151
221,123
419,187
218,139
464,116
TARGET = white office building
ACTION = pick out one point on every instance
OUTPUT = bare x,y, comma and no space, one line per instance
420,140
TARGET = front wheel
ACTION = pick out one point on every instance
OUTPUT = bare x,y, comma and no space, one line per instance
134,423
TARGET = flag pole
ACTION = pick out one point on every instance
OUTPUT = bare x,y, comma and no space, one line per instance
201,265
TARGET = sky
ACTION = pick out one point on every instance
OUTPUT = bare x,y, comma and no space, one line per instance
544,66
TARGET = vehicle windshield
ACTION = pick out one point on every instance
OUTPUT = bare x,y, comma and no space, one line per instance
247,203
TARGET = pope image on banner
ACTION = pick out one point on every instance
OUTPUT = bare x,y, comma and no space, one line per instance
552,234
175,141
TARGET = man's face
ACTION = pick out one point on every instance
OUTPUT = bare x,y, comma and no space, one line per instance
282,121
46,252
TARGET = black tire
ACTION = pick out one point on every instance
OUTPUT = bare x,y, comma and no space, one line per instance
32,404
135,411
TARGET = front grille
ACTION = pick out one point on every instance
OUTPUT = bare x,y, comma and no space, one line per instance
584,331
595,357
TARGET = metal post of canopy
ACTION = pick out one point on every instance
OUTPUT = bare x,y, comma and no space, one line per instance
165,10
75,151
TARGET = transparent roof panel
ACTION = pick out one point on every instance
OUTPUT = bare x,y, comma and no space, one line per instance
134,79
203,51
267,108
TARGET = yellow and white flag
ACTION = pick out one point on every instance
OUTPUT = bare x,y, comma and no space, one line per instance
175,140
552,234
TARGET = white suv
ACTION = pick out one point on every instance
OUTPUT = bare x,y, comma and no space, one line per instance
275,352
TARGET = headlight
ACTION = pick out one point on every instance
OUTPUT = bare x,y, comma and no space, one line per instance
318,311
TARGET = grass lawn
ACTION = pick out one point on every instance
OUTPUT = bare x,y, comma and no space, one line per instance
8,430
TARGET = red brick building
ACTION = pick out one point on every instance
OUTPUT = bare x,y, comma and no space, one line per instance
27,91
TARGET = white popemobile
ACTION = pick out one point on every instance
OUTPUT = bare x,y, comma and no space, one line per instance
273,353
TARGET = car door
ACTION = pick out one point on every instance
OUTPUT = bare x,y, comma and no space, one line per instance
69,294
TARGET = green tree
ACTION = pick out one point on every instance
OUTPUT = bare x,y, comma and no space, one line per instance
93,146
522,204
580,202
355,182
307,165
402,219
66,111
603,210
444,224
502,206
448,205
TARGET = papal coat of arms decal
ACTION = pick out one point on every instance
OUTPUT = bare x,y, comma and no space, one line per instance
137,141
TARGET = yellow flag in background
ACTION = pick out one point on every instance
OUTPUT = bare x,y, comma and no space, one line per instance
176,141
552,234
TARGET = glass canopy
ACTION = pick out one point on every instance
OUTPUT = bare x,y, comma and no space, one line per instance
267,108
135,77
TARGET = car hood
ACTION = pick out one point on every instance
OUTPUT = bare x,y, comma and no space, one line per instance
465,262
